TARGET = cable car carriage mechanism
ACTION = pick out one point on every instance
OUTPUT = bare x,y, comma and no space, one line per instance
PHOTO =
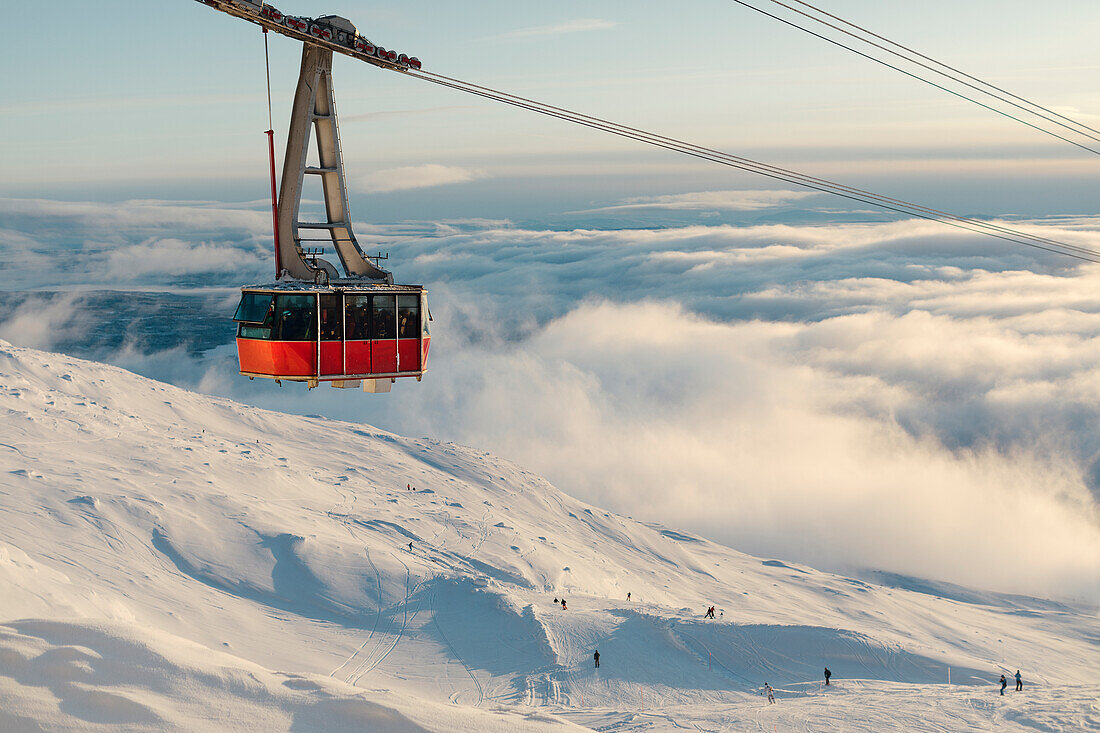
314,323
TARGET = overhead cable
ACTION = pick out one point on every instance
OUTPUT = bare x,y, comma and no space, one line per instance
775,172
939,63
927,81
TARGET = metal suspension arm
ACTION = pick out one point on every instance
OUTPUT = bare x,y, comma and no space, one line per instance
330,32
314,114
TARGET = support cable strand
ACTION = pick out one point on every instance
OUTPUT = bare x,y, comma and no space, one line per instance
826,186
818,184
267,67
941,64
919,78
737,159
953,78
271,168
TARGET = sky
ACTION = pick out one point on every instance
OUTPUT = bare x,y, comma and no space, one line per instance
124,92
786,372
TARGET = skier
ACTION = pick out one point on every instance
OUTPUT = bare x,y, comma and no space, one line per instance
556,601
1004,684
563,606
628,595
709,613
770,693
828,674
1019,681
410,547
596,658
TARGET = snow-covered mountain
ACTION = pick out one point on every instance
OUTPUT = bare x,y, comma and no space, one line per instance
171,561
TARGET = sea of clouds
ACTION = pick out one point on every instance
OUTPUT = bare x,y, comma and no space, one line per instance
793,379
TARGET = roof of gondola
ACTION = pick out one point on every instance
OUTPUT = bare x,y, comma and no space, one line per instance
336,285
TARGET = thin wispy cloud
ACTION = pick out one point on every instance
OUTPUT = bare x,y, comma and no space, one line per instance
709,201
391,113
416,176
580,25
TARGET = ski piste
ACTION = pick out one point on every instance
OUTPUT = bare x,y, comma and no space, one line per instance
180,560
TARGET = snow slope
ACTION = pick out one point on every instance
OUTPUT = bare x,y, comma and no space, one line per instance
174,561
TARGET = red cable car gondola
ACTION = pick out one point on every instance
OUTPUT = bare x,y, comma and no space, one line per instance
313,324
339,334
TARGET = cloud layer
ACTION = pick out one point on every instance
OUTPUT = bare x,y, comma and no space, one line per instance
53,244
778,439
845,393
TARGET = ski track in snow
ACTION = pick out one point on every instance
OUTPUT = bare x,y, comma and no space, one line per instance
177,562
342,517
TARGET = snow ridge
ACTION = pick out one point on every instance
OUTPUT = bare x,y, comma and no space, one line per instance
176,561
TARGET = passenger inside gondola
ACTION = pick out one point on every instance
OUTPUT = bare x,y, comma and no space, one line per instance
331,327
383,317
296,318
358,317
408,316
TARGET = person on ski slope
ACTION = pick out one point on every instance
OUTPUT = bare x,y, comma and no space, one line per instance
828,674
596,658
770,693
1019,681
563,606
1004,684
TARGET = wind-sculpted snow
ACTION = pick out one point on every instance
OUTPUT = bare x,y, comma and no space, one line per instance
171,561
106,676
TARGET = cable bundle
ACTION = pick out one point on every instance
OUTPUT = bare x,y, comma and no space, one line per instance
782,174
937,67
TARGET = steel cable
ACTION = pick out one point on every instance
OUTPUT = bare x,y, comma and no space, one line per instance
788,176
940,63
569,114
921,78
976,88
